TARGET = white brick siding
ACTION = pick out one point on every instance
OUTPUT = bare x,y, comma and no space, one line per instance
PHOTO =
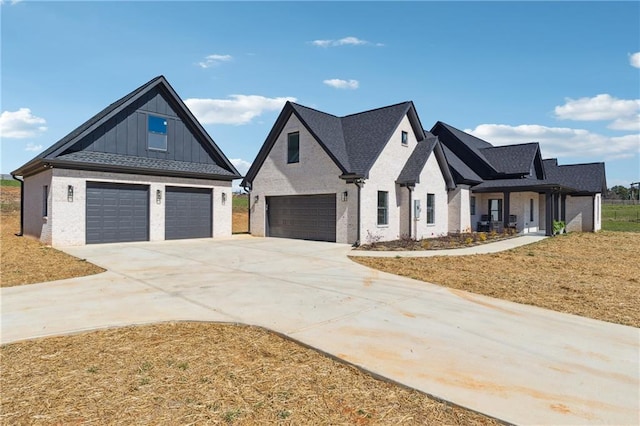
66,223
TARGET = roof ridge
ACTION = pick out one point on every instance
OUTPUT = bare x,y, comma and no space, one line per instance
295,104
376,109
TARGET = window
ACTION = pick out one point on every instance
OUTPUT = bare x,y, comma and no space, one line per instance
431,209
473,205
405,139
157,138
531,210
495,210
383,208
45,201
293,148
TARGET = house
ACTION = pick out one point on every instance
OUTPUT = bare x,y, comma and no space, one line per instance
377,175
512,186
142,169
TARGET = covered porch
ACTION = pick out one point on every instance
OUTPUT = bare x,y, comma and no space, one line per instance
527,207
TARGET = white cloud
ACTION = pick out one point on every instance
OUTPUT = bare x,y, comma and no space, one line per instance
241,165
21,124
631,123
600,107
346,41
634,60
560,141
322,43
239,109
214,60
33,147
342,84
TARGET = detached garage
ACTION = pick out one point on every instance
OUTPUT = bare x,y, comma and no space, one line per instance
305,217
143,169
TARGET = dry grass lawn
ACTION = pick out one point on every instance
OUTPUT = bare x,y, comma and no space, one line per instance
24,260
195,373
587,274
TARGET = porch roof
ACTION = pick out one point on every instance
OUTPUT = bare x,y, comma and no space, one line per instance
522,185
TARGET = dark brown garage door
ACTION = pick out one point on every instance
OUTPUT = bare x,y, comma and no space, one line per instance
187,213
117,213
304,217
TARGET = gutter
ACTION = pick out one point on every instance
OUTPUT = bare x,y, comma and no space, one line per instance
21,233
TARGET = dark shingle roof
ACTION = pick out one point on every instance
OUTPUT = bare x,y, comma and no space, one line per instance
368,132
464,172
587,178
328,129
518,184
354,142
512,159
410,173
57,149
92,158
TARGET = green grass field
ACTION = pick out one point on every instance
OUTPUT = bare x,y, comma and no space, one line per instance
240,203
7,182
618,217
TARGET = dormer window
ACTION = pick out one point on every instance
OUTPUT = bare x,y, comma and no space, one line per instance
405,139
157,133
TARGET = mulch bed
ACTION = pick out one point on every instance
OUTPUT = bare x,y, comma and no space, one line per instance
450,241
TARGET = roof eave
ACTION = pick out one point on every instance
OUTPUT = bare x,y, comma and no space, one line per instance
76,165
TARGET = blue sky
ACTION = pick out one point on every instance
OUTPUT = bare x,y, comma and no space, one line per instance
565,74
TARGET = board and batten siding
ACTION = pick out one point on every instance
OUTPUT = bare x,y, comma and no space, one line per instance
126,133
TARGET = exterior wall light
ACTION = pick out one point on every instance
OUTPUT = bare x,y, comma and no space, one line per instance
256,198
70,193
224,198
345,196
158,196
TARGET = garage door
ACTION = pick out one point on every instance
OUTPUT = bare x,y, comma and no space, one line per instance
117,213
305,217
188,213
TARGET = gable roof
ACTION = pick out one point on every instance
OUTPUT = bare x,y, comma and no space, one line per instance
466,147
55,154
410,173
589,178
512,159
353,142
461,171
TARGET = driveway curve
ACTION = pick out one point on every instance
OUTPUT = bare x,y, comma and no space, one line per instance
518,363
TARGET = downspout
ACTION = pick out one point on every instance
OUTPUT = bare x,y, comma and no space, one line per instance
247,188
21,233
410,210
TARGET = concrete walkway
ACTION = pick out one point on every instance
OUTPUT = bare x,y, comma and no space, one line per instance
496,247
518,363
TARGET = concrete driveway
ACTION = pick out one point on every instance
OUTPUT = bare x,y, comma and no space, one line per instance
518,363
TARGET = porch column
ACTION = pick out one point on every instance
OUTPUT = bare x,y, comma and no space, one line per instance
548,216
507,208
556,206
563,208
